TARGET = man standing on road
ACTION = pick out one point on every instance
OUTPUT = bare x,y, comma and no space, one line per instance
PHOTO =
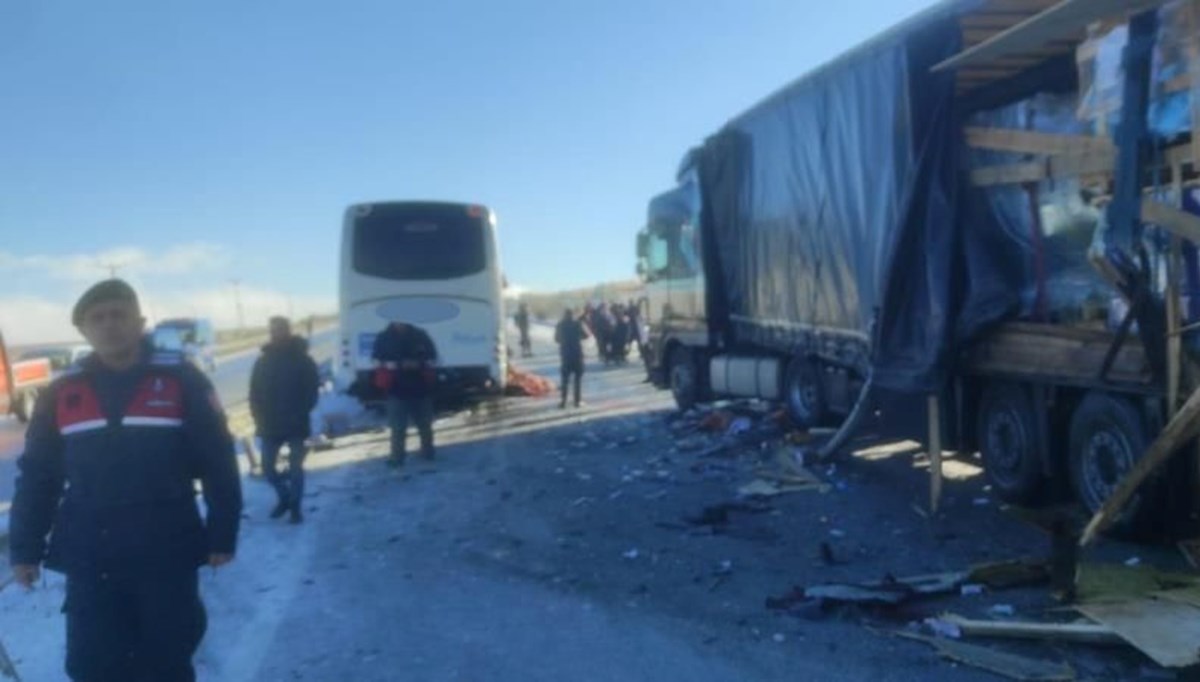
570,336
407,357
522,320
283,391
110,458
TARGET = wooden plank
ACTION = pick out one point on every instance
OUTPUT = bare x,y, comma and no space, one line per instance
1176,221
1174,340
1167,632
1084,633
1062,20
1180,428
935,454
1065,353
1014,174
1033,142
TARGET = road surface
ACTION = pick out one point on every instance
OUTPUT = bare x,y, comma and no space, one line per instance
594,545
231,379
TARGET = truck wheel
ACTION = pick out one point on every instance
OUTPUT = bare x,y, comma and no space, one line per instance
23,408
802,392
685,381
1010,443
1108,436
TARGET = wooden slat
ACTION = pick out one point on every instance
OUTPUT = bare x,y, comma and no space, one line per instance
1014,174
1176,221
1054,351
1061,21
1033,142
1055,167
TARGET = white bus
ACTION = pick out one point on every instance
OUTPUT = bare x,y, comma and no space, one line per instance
434,265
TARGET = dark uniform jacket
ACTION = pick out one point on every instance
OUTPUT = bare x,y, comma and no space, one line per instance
283,389
109,468
410,345
570,336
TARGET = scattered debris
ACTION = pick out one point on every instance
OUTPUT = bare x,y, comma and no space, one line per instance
761,487
1002,610
632,554
1096,583
1009,574
1012,666
972,590
943,628
1133,561
779,638
982,501
717,421
1166,631
739,426
837,533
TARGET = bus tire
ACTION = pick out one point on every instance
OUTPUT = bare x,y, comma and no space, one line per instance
803,394
684,378
1011,443
1108,435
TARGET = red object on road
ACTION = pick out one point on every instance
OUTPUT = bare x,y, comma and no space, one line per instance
527,384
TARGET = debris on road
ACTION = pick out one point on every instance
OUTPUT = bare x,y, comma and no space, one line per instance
1008,665
1166,631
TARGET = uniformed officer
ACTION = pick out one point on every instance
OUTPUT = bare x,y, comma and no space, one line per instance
111,455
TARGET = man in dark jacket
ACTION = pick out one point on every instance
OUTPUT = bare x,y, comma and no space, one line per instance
409,358
283,391
110,459
522,320
570,335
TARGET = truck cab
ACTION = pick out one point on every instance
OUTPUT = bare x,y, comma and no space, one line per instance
670,265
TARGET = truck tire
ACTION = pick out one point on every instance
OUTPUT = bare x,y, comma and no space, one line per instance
684,378
1108,436
23,406
1010,443
803,395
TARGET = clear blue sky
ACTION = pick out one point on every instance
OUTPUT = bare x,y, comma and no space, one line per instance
243,127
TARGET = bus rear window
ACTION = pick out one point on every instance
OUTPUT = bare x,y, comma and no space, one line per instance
418,242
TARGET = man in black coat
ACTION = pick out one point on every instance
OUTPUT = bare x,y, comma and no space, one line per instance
106,497
409,358
283,392
570,335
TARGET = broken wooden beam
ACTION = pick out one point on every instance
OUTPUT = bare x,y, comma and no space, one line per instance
1081,633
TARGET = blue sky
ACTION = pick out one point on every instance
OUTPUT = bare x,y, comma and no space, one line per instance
197,142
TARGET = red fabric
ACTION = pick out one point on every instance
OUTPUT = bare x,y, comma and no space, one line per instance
383,378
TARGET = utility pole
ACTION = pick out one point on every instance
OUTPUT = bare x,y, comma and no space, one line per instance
237,299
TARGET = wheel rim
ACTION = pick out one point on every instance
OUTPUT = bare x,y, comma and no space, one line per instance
803,397
1107,458
1007,445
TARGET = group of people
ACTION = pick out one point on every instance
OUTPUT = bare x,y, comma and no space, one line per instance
105,490
616,328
